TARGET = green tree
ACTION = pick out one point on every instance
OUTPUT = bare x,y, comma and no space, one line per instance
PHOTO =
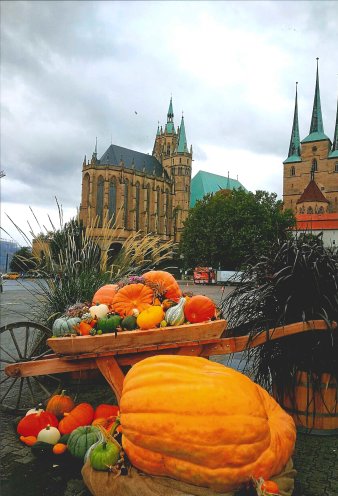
23,260
228,228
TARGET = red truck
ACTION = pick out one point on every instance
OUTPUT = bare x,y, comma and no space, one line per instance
204,275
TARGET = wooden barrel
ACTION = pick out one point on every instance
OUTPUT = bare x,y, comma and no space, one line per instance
314,409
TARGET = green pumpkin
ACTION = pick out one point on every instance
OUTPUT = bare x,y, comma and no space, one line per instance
174,316
42,450
109,323
81,440
65,325
129,323
104,455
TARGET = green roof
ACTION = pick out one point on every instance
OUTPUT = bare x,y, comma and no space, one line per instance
292,159
316,136
169,127
294,148
333,154
206,182
182,140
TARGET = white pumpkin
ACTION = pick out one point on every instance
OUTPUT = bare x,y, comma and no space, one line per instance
49,435
99,311
37,409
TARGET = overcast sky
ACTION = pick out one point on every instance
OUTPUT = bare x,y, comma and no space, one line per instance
71,71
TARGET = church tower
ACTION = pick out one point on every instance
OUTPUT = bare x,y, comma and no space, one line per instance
311,165
171,150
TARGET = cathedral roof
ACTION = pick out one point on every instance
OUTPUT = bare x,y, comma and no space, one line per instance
206,182
132,160
312,193
182,139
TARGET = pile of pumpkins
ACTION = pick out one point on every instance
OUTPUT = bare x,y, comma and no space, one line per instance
81,431
154,300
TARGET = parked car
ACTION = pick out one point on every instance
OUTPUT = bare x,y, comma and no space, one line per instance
11,275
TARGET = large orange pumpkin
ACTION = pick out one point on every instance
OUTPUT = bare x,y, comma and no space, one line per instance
105,295
202,423
132,297
165,282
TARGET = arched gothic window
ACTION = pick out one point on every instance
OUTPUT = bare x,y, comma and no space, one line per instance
147,207
112,200
293,170
336,167
314,167
137,206
158,208
99,200
86,182
167,212
309,210
321,210
126,204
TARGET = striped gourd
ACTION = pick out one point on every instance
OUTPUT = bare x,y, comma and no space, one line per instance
174,316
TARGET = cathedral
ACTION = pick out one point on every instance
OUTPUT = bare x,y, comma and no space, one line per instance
140,192
310,178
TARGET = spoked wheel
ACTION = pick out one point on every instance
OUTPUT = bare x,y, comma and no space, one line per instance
24,342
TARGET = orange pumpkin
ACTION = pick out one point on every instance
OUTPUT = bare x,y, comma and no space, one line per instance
165,282
131,297
199,309
81,415
105,411
83,328
243,430
60,404
105,295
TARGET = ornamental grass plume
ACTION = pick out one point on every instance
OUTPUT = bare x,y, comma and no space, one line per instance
72,267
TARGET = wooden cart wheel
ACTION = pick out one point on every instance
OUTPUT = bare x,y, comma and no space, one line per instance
24,342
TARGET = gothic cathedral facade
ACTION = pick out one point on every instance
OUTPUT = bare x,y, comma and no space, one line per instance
310,178
140,192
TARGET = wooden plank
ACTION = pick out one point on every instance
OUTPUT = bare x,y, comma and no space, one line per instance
48,366
189,350
136,339
109,367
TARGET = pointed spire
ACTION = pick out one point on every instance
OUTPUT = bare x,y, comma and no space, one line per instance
158,128
182,140
170,127
170,114
294,148
317,120
334,152
316,127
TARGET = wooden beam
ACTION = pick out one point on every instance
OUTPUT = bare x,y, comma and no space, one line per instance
110,369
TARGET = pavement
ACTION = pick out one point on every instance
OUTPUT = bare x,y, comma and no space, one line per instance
315,457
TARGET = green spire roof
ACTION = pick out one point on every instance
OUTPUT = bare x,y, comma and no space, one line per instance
169,127
182,140
294,148
316,128
206,182
170,114
334,152
158,130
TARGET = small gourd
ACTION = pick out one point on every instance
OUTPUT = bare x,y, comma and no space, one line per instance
150,317
50,435
109,323
129,323
81,439
104,455
99,311
65,325
174,316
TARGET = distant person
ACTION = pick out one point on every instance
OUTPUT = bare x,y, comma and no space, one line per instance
1,283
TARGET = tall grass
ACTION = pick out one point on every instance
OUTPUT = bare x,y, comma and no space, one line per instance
72,266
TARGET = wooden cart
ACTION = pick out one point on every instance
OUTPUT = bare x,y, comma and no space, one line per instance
24,367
